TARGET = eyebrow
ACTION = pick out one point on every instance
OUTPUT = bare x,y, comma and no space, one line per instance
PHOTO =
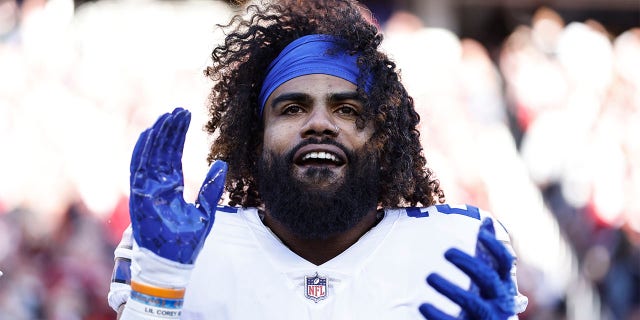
342,96
307,99
293,96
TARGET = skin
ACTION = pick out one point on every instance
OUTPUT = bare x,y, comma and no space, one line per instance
316,106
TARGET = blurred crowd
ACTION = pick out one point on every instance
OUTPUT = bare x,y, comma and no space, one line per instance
545,134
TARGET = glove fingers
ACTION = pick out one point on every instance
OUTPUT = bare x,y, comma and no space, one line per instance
487,224
213,186
183,118
162,150
465,299
142,149
144,168
160,120
432,313
502,257
137,156
147,152
481,274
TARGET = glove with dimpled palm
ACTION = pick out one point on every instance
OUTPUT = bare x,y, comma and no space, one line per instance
168,232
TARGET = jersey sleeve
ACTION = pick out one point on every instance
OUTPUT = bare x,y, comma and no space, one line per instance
120,287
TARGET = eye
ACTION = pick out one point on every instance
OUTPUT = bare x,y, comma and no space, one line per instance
292,109
347,110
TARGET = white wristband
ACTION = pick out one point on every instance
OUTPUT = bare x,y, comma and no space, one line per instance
142,307
149,268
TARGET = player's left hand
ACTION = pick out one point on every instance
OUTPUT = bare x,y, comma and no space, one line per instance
492,292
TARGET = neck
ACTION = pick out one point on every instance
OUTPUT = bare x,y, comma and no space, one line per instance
319,251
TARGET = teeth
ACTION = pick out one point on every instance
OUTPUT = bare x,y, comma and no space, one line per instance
320,155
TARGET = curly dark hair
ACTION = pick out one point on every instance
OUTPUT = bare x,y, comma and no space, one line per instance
238,71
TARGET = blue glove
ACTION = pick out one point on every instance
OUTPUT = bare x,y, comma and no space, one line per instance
492,291
162,222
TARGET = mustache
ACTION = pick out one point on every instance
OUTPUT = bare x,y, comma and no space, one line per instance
329,141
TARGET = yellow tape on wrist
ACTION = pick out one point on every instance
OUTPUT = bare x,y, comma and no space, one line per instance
157,291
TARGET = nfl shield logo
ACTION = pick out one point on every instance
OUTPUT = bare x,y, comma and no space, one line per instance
315,287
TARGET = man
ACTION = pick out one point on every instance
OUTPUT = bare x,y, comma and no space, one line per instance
321,141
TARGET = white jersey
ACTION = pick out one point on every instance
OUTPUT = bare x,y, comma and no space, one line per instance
245,272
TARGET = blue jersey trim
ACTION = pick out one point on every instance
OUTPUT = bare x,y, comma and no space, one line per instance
227,209
417,213
470,211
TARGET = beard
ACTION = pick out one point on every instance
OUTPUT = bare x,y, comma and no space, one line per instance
309,208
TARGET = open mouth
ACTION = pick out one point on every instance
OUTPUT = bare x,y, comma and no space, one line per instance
320,155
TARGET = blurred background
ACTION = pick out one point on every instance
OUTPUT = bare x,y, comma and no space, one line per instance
530,109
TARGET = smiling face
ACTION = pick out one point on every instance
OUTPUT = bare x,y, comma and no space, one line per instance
317,173
313,117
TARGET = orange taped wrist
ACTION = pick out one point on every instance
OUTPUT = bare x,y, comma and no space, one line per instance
157,291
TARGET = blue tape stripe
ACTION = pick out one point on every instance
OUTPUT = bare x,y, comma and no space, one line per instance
157,302
121,271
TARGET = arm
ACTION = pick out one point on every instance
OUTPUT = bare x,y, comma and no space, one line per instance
167,232
120,286
492,295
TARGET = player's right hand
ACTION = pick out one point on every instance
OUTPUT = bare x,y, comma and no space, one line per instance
162,221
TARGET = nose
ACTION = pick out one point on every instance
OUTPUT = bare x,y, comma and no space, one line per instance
319,124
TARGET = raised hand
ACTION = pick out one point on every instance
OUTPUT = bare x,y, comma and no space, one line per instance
162,221
492,291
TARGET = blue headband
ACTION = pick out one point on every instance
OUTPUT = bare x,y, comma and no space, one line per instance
309,55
